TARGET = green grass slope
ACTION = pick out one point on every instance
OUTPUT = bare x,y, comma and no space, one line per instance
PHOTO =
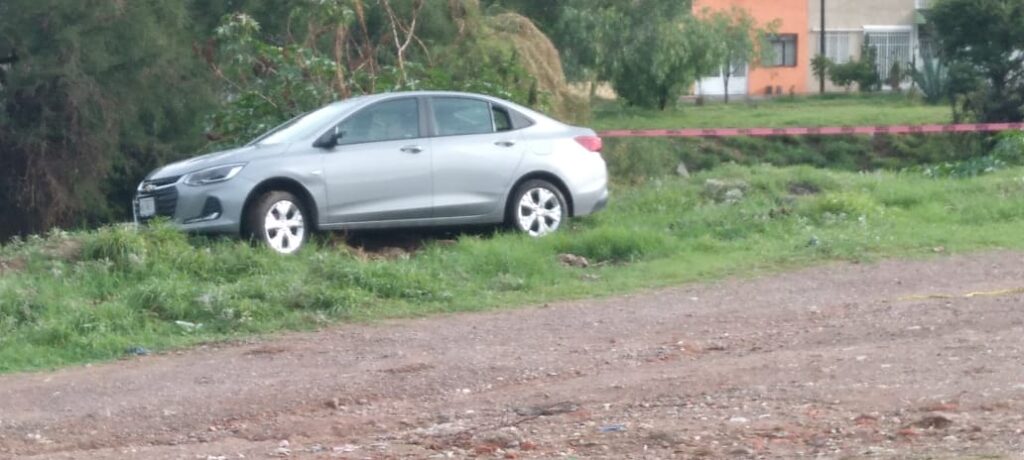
80,297
830,110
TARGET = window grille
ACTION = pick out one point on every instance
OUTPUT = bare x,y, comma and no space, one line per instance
891,46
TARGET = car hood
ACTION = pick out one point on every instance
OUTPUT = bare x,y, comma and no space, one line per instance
238,155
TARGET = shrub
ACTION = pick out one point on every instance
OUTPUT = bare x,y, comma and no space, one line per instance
895,76
821,66
933,79
863,71
1010,147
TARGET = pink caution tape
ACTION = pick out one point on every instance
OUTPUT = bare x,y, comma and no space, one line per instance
815,131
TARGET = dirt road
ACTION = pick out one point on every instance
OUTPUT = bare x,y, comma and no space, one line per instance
889,360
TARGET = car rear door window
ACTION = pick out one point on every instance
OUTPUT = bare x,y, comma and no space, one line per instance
502,120
519,121
386,121
458,116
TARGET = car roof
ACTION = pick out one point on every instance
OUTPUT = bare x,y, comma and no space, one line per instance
365,100
356,103
379,96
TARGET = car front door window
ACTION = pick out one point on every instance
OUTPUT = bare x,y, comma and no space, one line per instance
386,121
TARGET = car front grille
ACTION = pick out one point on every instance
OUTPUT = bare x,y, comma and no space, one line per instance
166,200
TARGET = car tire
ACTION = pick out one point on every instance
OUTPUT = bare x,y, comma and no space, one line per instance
538,208
278,220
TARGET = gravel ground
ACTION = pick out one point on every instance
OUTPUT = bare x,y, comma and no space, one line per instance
920,359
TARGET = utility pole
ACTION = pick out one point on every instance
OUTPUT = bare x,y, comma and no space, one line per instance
823,41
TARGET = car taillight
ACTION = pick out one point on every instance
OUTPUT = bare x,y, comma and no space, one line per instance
592,143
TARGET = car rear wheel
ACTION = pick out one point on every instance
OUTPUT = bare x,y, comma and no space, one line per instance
278,220
538,208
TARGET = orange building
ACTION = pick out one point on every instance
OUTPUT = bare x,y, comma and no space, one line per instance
787,71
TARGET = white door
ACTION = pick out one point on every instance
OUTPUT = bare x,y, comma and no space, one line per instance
714,85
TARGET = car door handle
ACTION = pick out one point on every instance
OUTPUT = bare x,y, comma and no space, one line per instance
505,143
414,149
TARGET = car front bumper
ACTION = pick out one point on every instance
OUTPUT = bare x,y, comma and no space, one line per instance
206,209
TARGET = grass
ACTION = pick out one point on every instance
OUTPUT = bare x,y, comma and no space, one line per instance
643,158
830,110
80,297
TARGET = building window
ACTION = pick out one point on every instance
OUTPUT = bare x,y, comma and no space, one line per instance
839,46
892,46
783,49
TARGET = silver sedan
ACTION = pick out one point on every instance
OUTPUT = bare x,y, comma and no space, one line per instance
409,159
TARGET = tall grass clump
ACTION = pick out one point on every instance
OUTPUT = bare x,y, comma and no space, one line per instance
616,244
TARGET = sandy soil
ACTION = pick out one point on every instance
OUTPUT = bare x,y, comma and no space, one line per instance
889,360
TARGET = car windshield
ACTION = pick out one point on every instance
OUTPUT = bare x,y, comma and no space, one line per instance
304,125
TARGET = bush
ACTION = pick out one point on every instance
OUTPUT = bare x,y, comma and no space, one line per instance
864,71
821,66
1010,148
895,76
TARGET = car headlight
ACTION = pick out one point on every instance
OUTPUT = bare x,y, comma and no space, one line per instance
213,175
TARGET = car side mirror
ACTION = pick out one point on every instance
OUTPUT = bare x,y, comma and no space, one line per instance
330,139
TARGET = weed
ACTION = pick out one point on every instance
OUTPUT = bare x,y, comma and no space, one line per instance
616,244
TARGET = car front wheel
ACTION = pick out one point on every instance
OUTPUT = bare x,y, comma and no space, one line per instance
278,220
538,208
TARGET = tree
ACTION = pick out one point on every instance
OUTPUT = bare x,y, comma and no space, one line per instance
93,101
649,50
739,41
584,33
339,48
657,50
983,40
656,64
94,94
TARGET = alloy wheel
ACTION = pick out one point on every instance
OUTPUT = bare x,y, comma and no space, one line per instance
539,212
284,227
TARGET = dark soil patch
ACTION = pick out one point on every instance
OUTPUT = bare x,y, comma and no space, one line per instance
401,244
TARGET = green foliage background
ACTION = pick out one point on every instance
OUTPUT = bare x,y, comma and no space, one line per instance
101,91
982,41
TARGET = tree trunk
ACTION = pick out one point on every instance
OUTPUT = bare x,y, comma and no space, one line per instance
727,76
340,36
